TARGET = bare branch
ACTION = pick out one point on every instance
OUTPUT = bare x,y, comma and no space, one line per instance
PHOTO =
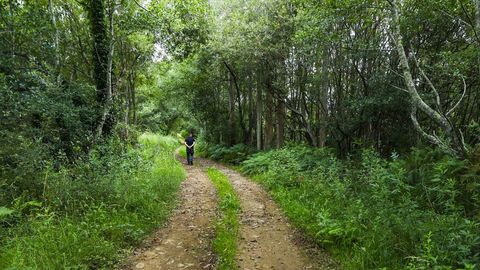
429,82
396,73
461,98
434,139
399,88
413,115
462,139
138,4
451,145
456,18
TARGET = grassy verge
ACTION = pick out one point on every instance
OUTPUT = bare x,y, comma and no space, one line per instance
374,213
225,243
94,212
183,152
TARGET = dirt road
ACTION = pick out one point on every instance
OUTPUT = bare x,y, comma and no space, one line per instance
185,243
266,241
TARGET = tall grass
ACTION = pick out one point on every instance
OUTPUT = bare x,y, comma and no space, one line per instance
375,213
93,213
231,155
227,226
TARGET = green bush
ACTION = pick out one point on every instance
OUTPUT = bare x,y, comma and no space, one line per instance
90,214
231,155
44,126
376,213
446,184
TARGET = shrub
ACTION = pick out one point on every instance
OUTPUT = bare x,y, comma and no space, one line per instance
90,213
374,212
231,155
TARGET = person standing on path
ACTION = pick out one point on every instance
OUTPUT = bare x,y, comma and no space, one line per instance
190,144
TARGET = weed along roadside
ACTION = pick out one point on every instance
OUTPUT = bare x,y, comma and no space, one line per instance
266,239
370,212
96,210
227,225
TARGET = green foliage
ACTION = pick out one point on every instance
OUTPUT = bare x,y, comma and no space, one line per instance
96,13
184,25
183,152
93,212
230,155
448,184
44,127
69,201
226,229
370,212
4,212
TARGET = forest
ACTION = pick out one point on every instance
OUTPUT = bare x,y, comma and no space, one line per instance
359,118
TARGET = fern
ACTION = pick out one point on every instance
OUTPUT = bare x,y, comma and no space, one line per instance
4,212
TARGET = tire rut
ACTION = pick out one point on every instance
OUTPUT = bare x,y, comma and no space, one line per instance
267,241
185,242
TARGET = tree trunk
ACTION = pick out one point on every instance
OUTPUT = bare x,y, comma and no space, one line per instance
280,116
103,128
323,96
133,98
477,21
127,108
268,120
455,145
239,100
259,117
11,29
231,114
251,111
100,48
477,15
56,39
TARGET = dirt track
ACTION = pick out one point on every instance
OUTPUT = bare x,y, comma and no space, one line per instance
185,242
266,241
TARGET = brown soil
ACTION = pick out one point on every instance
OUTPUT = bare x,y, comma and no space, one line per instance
267,241
186,241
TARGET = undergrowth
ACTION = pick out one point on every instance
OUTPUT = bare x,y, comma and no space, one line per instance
226,229
89,215
231,155
419,212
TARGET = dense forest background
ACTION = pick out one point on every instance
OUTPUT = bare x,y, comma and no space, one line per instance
361,117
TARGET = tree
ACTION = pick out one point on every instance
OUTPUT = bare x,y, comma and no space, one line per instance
454,142
103,54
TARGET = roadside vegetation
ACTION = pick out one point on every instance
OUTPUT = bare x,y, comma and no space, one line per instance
90,215
419,211
227,225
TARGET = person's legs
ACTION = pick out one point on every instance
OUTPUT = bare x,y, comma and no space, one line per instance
190,157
